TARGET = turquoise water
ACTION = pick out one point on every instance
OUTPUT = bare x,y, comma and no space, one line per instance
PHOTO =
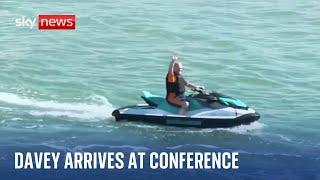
58,88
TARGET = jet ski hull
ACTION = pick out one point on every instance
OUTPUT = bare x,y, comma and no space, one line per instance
185,121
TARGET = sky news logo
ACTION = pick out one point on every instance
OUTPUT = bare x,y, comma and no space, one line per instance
49,22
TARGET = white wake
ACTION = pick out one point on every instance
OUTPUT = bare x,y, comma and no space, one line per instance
98,109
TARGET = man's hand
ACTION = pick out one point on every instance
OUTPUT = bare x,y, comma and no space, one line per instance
201,87
174,57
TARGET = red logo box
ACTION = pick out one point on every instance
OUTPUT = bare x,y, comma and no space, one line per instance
56,22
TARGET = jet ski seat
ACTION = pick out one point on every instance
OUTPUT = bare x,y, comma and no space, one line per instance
161,102
158,101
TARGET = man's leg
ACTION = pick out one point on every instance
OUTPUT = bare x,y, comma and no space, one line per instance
184,107
182,103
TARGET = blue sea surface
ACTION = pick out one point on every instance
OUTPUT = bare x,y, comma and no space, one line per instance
58,88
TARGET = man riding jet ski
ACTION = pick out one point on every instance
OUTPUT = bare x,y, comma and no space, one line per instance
175,84
198,109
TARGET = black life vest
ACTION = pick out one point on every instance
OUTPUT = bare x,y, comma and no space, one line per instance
177,87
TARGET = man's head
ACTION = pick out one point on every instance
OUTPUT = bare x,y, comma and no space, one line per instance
178,68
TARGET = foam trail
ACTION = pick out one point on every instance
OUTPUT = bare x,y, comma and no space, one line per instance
101,110
244,129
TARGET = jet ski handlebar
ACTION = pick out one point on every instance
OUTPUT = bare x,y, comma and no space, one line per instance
200,90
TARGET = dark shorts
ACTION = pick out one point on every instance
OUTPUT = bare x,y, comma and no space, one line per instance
177,101
182,97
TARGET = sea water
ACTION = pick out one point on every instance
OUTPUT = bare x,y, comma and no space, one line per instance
58,88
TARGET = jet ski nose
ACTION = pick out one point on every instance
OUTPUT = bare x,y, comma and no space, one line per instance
255,116
248,118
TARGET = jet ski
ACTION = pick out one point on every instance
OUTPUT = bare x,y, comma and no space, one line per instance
206,110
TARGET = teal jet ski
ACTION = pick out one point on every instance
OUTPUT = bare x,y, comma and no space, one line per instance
206,110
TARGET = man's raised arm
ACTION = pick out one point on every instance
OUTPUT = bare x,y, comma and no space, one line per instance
171,77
